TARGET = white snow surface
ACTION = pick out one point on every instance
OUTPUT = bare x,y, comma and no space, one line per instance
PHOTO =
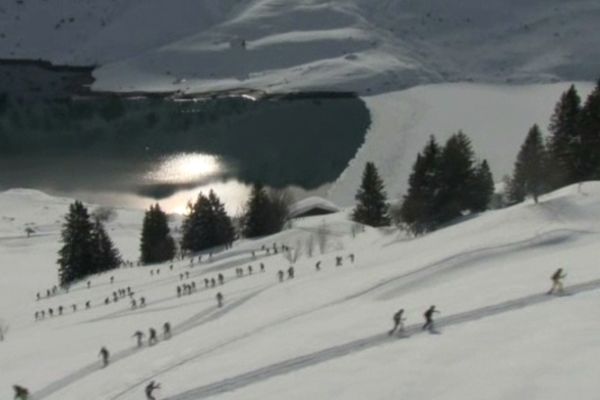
323,334
367,46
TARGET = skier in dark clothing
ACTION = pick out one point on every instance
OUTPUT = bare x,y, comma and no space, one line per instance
429,318
262,267
291,273
151,387
557,284
318,266
338,261
20,392
60,310
221,279
105,356
166,330
280,274
398,322
152,339
220,299
142,301
139,335
88,305
178,291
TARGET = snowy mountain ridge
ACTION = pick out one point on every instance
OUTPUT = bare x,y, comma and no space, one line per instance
367,46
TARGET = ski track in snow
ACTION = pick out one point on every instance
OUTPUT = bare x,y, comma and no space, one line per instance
318,357
204,316
418,275
422,274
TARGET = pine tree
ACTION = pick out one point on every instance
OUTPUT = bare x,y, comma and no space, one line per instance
156,244
588,154
565,139
417,206
256,216
372,207
482,189
104,254
529,176
76,256
457,177
224,233
207,224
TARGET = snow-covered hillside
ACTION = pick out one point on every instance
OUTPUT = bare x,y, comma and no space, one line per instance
368,46
495,117
323,334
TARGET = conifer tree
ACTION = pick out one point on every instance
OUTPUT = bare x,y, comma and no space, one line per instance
417,206
256,216
529,176
224,233
372,207
207,224
456,177
105,256
156,244
565,139
482,189
588,154
76,256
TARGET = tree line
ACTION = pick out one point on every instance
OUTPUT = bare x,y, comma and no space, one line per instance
570,154
448,182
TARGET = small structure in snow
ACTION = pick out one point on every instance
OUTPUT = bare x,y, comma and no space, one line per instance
312,206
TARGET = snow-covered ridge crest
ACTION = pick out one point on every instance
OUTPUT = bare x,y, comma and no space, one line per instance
368,46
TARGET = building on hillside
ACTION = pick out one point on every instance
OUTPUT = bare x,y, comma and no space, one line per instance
312,206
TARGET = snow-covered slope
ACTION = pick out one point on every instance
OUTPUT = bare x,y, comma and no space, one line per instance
322,335
495,117
367,46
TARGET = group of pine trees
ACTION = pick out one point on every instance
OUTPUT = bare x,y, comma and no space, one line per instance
446,182
571,153
207,224
87,249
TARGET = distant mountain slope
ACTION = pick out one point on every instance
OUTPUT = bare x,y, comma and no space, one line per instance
369,46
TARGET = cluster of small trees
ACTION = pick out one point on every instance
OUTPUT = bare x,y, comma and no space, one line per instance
207,224
87,249
569,155
445,183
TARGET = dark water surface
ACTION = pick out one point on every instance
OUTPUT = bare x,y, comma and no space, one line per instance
132,151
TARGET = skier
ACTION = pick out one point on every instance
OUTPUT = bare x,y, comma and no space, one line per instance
178,291
139,335
398,322
112,279
60,310
38,297
105,356
338,261
280,275
291,273
166,330
429,318
142,301
221,279
262,267
87,305
187,275
133,304
74,306
249,269
351,257
206,282
557,284
152,339
107,301
220,299
318,266
213,283
151,387
20,392
89,284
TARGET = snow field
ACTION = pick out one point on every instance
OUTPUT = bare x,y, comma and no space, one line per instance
327,329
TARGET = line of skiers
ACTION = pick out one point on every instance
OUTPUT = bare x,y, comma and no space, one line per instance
557,288
152,336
